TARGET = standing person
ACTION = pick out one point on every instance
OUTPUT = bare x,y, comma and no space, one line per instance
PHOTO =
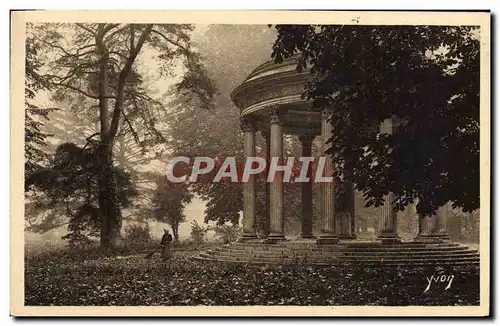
166,243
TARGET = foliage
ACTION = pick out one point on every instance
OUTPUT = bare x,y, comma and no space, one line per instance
198,232
85,280
227,233
97,64
198,133
168,203
464,227
70,185
35,139
77,237
138,234
425,76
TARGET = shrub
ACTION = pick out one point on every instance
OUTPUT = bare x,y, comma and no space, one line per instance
77,239
138,235
227,233
198,233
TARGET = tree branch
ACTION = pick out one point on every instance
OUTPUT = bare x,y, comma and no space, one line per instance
88,29
143,96
123,77
136,137
95,97
169,40
110,36
109,27
103,84
89,138
132,37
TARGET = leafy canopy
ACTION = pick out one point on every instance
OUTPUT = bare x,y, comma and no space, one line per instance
426,77
69,184
169,201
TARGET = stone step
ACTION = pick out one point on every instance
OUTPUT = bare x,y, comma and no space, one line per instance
371,250
341,243
413,260
411,263
467,252
401,244
336,262
341,261
313,245
261,262
413,253
274,260
278,255
428,247
367,257
345,258
349,260
343,255
374,253
453,263
339,248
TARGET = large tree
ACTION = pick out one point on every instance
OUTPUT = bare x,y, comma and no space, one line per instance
427,77
99,62
168,203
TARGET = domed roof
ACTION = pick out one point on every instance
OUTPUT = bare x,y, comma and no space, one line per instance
281,86
270,74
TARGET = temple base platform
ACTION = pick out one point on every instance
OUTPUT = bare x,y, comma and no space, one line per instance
309,251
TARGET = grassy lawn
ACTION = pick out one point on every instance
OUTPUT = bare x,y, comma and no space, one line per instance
90,278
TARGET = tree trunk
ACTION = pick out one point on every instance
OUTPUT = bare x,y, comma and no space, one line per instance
121,150
109,206
175,230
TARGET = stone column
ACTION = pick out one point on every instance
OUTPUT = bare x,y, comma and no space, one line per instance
347,224
328,235
441,230
426,226
343,225
307,205
433,228
351,205
248,128
349,188
423,226
276,187
388,232
266,223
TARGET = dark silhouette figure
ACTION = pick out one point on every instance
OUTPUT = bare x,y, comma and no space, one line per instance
166,243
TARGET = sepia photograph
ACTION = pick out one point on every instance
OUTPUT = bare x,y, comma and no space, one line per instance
250,163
